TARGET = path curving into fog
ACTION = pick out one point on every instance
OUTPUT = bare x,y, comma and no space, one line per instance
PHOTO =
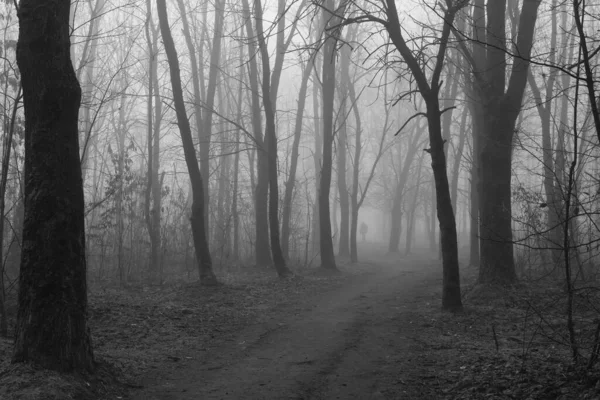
351,343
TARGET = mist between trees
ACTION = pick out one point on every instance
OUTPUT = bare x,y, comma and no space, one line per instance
265,133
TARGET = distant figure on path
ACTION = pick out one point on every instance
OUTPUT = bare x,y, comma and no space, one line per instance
363,230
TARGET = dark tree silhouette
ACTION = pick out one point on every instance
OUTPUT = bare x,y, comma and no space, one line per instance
501,104
207,276
429,88
51,328
271,145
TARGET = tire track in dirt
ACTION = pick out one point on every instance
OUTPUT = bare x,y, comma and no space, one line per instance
338,347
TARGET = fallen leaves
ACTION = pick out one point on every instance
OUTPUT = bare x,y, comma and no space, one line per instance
139,329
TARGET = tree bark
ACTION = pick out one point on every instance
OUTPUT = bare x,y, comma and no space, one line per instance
207,276
261,192
271,148
451,297
205,135
153,189
291,181
354,201
236,164
328,76
501,109
51,327
344,244
317,155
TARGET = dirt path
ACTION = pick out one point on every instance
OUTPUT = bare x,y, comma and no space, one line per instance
357,342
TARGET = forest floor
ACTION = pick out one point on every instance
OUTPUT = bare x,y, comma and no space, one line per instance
374,331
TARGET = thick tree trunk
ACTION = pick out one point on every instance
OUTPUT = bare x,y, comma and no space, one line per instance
51,327
501,107
207,276
497,263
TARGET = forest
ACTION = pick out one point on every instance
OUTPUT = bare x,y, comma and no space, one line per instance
303,199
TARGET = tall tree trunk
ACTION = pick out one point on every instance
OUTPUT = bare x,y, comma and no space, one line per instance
451,297
344,244
476,111
207,276
236,164
261,193
291,181
271,141
120,130
197,78
153,189
51,327
501,109
356,167
317,156
328,77
221,225
213,76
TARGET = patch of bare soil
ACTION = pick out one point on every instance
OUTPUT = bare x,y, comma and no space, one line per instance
358,341
141,329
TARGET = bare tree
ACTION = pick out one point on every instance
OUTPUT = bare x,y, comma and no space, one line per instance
261,192
152,209
331,14
429,90
207,276
213,76
500,108
291,181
